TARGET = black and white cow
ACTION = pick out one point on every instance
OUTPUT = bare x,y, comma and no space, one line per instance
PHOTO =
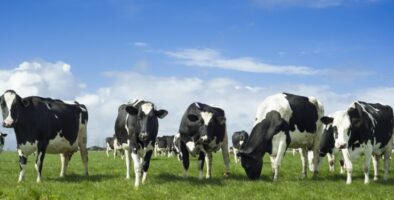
47,126
239,138
2,136
327,147
136,129
203,131
161,146
112,144
283,120
363,128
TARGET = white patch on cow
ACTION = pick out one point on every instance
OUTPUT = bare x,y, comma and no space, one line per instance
369,114
125,126
9,97
146,108
197,105
142,151
277,103
343,124
60,144
205,137
241,142
137,169
49,108
190,146
206,116
27,148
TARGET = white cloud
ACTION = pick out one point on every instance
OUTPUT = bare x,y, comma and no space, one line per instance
140,44
309,3
213,58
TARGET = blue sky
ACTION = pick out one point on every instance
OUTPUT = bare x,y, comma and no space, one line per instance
340,47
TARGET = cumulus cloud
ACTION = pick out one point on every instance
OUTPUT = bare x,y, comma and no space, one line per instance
41,78
213,58
308,3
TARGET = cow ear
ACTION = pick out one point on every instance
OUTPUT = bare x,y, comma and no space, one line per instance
161,113
221,120
326,120
192,117
25,103
356,122
132,110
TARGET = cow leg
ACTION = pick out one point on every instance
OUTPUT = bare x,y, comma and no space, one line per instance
331,162
375,163
281,152
82,148
272,158
348,165
208,160
40,159
226,155
367,163
235,155
387,162
145,165
304,162
185,159
342,164
201,159
127,160
137,169
22,165
64,158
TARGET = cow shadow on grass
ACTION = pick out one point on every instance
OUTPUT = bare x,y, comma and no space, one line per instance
356,178
74,178
218,181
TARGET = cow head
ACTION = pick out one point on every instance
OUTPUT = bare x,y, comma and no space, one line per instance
239,138
204,123
327,141
11,103
344,124
2,136
251,164
147,120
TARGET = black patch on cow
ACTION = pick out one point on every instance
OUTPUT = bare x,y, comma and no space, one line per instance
327,141
304,113
375,123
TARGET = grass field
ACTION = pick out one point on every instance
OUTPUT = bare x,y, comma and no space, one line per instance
165,181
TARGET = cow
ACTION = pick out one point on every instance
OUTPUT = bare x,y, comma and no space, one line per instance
161,146
47,126
112,144
283,121
136,128
327,147
363,128
239,138
203,131
2,137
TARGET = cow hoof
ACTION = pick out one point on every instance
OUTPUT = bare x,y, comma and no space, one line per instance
375,178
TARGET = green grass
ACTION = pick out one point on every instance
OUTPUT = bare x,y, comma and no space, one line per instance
165,181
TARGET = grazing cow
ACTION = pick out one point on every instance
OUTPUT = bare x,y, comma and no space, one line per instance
363,128
239,138
2,136
136,130
47,126
283,120
203,131
112,144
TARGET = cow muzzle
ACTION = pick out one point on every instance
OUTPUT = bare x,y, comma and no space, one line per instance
8,123
144,136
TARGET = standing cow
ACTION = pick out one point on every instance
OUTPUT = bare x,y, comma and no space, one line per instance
136,129
203,131
46,126
283,120
112,144
327,147
2,136
239,138
363,128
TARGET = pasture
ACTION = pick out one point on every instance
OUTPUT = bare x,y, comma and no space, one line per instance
165,181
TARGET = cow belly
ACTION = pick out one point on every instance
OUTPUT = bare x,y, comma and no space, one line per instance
301,139
60,144
27,148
